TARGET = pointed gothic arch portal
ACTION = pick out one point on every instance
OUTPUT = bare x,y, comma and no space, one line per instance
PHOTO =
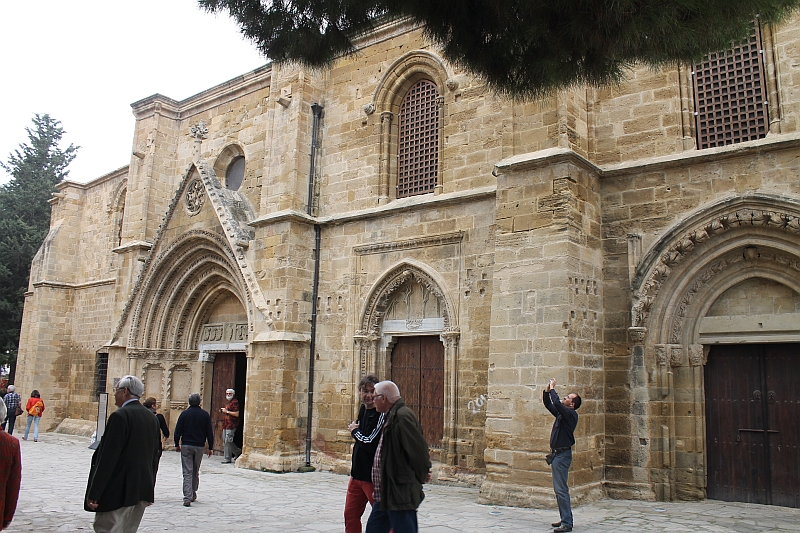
408,335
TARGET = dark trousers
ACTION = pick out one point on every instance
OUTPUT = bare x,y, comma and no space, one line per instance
12,419
399,521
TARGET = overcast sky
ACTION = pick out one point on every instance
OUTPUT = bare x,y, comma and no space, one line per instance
85,61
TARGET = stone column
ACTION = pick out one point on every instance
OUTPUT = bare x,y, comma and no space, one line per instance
386,139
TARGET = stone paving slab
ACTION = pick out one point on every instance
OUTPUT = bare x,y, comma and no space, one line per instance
231,500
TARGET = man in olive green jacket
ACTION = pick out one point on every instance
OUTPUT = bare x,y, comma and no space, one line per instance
402,465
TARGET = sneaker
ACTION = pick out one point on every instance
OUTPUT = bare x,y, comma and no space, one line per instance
562,528
226,462
187,504
556,524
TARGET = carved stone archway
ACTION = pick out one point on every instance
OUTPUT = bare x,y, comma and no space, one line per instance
718,247
376,336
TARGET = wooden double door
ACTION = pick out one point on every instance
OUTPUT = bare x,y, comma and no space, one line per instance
418,371
752,423
230,372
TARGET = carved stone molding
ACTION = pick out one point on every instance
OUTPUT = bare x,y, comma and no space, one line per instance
452,84
698,355
422,242
647,283
381,298
661,354
637,334
195,197
199,130
675,354
738,257
369,108
224,332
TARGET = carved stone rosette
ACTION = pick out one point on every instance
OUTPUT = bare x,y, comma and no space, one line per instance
195,197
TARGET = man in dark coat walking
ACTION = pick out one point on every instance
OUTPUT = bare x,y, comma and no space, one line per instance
402,464
122,476
192,431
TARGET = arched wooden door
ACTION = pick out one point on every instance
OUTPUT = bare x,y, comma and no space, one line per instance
418,371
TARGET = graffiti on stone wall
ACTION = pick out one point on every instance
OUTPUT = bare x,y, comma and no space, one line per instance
477,404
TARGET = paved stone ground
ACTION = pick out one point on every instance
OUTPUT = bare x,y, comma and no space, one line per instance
231,500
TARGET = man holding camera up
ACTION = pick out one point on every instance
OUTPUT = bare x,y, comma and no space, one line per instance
562,438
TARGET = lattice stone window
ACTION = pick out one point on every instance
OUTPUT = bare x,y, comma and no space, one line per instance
418,149
730,96
100,373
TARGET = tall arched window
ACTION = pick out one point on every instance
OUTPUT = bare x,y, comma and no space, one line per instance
418,147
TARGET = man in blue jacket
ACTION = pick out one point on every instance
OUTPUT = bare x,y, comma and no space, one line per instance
562,438
193,430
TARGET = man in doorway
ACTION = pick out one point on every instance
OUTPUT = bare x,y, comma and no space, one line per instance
562,438
366,431
230,421
122,475
193,430
402,465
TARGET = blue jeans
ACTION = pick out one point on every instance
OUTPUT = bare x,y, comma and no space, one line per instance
383,521
35,420
560,466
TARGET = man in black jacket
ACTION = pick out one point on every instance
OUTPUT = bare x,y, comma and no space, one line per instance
193,429
122,476
366,431
562,438
402,464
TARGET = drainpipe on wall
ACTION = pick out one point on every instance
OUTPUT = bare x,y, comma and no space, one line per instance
317,110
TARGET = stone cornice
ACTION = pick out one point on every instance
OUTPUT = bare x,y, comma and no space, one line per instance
215,96
435,240
131,246
541,158
121,171
395,206
770,143
287,215
73,286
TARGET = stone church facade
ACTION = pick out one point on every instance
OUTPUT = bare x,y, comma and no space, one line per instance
290,230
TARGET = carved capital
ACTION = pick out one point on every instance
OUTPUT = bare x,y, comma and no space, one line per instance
675,355
698,354
661,354
637,334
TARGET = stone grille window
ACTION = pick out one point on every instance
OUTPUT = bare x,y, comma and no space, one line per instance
101,373
730,97
418,150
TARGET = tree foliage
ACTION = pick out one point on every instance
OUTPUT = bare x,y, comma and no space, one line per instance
35,169
523,48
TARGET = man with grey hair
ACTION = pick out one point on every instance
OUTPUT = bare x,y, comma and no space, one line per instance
122,477
13,402
193,429
230,421
402,464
